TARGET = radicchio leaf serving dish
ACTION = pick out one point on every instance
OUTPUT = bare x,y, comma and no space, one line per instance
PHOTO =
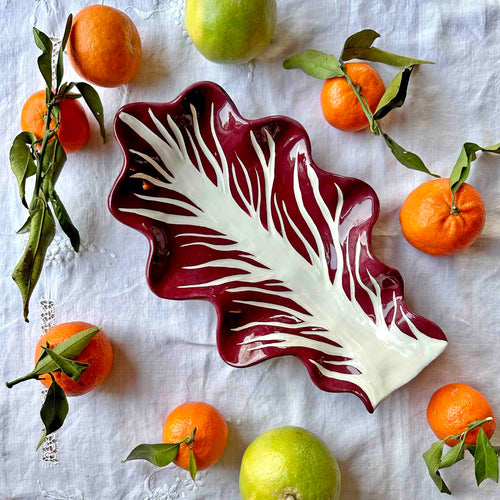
237,213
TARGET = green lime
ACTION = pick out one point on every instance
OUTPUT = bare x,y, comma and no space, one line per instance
289,463
230,31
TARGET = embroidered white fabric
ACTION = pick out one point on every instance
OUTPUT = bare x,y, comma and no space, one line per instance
165,351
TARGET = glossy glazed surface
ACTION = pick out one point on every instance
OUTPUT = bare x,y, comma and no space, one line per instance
237,213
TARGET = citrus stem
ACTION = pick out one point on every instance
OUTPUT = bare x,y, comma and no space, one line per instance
21,379
471,427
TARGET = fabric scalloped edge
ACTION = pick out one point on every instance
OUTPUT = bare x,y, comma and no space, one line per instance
237,213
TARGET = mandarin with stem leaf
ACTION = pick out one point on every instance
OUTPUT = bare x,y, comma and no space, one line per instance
74,128
210,437
339,103
98,355
453,407
436,225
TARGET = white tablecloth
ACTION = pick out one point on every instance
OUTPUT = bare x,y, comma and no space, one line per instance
165,351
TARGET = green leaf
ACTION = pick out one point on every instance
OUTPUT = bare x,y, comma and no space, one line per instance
361,39
64,41
158,454
69,367
91,97
54,410
432,459
29,267
69,348
25,227
21,161
72,95
64,218
45,59
472,450
407,158
467,155
53,162
359,46
377,55
485,459
315,63
192,465
395,94
456,454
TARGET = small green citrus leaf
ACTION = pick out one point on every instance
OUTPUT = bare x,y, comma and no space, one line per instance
158,454
361,39
69,348
54,410
28,269
395,94
472,450
45,59
54,159
315,63
467,155
69,367
359,46
485,459
21,161
64,41
407,158
25,227
432,458
192,465
93,101
456,454
64,219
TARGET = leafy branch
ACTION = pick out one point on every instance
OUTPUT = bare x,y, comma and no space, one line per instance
60,358
164,453
485,456
44,158
359,46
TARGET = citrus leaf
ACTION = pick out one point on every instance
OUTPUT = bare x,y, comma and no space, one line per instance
315,63
21,161
69,367
158,454
456,454
64,218
378,55
395,94
432,458
54,410
359,46
64,41
72,95
485,459
29,267
53,162
192,465
472,450
69,348
467,155
93,101
361,39
45,59
407,158
25,227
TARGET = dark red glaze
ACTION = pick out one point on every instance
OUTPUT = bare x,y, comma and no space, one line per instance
166,267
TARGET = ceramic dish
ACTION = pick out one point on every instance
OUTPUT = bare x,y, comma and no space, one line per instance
237,213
